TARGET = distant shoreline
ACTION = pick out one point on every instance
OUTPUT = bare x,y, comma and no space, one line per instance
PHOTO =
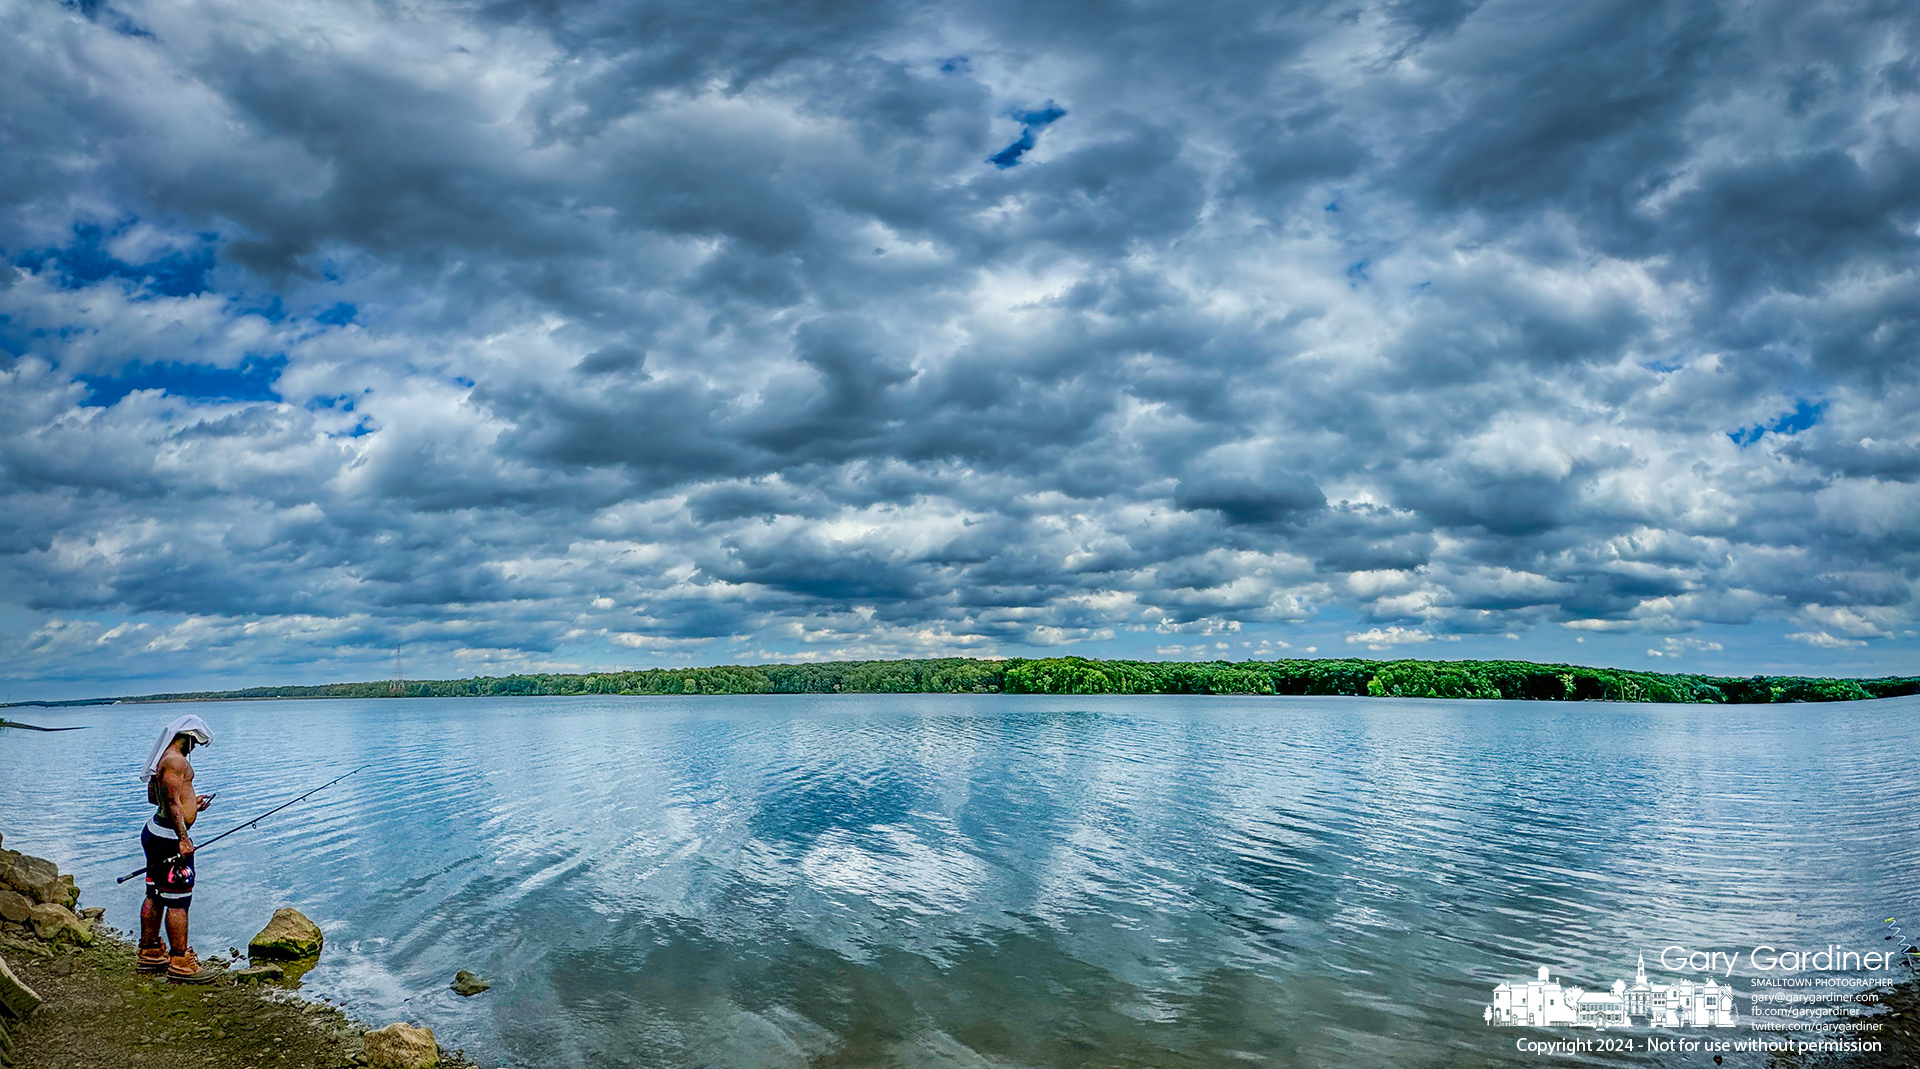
1489,680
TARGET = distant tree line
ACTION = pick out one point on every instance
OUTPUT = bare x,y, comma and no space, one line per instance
1518,680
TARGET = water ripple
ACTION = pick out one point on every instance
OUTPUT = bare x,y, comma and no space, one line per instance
960,881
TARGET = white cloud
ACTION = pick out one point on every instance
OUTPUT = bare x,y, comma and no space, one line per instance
1825,641
1861,622
1380,638
1675,647
592,348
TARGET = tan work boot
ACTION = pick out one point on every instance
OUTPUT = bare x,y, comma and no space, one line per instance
151,959
186,969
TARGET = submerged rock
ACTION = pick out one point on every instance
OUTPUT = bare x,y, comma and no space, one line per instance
294,969
288,936
466,985
401,1046
257,974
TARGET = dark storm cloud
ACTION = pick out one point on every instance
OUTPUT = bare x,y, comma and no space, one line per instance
555,334
1865,459
1541,113
1252,498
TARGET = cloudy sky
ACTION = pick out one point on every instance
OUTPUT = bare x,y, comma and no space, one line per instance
545,335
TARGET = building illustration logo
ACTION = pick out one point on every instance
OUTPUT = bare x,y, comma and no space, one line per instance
1547,1003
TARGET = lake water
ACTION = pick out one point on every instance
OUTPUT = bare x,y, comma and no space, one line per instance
966,881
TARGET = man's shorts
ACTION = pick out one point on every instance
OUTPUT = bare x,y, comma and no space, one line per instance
171,883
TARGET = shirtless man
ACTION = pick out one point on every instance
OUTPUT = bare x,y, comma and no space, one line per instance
168,843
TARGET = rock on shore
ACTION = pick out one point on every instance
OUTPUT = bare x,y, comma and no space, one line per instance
89,1007
37,878
37,900
401,1046
54,922
17,1000
17,1003
289,936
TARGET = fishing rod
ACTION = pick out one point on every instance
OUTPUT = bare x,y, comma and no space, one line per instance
256,820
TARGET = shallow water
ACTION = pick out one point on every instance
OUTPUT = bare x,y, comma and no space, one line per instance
931,880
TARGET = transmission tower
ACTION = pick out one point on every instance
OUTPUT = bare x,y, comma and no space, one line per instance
399,685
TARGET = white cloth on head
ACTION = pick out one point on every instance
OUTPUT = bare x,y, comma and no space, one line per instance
186,725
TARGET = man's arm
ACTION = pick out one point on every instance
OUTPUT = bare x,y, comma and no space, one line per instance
182,806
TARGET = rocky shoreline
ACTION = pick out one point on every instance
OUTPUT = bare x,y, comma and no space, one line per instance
70,998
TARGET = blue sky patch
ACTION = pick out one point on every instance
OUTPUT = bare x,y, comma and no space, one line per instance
338,316
180,273
92,9
1010,155
1804,415
252,381
1031,123
1044,117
